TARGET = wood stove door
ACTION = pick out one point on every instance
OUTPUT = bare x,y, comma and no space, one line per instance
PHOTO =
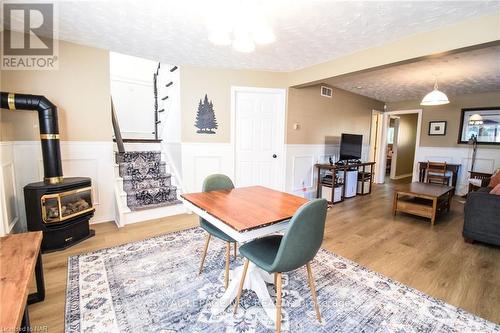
62,206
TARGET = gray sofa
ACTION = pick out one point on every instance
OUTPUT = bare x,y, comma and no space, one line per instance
482,217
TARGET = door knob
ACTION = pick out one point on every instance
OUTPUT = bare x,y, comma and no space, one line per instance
274,155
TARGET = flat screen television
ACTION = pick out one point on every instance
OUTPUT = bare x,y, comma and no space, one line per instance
350,146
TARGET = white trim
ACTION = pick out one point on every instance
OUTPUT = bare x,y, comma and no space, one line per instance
377,143
394,157
402,176
281,126
218,159
300,160
7,171
381,176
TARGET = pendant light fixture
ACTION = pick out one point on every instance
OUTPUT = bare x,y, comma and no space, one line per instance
435,97
242,24
476,119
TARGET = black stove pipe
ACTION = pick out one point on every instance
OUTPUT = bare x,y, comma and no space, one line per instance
49,130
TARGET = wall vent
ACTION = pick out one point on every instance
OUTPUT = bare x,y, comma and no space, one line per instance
326,91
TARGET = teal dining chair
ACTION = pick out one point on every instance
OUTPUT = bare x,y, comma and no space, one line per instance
296,248
214,183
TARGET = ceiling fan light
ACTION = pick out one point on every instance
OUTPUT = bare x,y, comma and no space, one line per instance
244,45
264,36
435,97
221,38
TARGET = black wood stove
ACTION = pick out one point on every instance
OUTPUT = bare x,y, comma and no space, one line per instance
60,207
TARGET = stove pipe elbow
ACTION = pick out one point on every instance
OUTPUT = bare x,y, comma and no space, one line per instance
49,129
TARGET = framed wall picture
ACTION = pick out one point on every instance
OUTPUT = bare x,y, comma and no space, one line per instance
481,123
437,127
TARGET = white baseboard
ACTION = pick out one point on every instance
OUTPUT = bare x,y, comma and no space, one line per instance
402,176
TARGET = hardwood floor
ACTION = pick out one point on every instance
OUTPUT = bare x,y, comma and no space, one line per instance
405,248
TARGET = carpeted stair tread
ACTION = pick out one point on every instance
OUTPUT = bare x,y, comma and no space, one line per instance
148,176
143,170
151,197
130,184
144,156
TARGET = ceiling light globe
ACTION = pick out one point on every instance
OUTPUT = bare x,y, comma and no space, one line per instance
244,45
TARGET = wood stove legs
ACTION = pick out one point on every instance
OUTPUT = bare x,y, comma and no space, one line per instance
39,295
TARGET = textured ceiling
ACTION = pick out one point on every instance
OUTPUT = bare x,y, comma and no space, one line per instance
308,32
460,73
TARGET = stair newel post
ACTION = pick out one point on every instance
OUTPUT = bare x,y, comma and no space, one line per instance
155,91
116,129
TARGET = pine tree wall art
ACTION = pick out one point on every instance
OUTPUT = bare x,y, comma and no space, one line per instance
205,117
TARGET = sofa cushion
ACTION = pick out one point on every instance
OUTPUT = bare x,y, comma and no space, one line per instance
484,190
496,190
495,179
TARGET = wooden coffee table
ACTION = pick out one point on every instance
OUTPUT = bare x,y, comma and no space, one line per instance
423,199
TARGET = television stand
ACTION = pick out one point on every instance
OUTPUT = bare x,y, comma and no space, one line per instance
364,178
344,162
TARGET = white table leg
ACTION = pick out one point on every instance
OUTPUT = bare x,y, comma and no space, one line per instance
255,280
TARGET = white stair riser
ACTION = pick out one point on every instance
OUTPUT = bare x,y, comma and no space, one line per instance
123,199
154,213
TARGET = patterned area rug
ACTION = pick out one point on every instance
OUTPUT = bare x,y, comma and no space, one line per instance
154,286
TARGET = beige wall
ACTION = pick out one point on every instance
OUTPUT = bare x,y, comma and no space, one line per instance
450,113
79,88
322,119
216,83
406,140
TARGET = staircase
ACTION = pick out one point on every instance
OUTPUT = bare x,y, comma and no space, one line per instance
145,180
144,189
147,187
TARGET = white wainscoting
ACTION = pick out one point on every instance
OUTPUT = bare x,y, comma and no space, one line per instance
202,159
92,159
300,160
487,160
9,207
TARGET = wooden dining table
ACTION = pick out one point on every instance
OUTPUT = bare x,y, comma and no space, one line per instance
245,214
20,258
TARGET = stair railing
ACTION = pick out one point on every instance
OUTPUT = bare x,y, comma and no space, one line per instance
157,111
116,129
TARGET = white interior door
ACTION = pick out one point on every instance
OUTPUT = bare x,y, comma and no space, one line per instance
259,116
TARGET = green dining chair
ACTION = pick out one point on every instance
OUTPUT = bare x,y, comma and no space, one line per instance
214,183
296,248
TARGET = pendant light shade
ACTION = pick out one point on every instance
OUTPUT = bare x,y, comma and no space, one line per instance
435,97
476,119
